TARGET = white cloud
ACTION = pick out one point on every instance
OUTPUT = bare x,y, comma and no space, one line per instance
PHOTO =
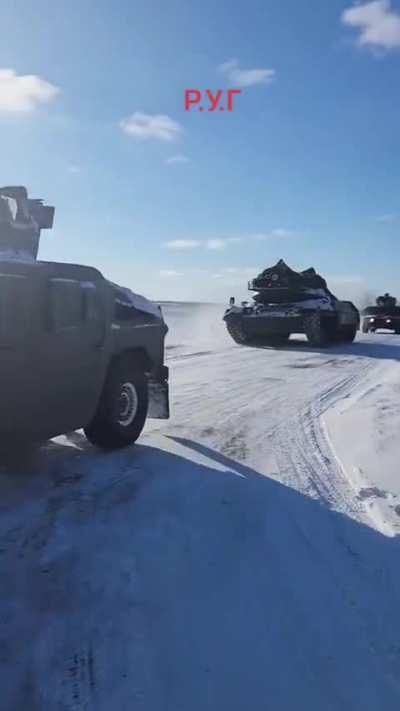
182,244
240,270
276,232
236,275
344,279
212,244
23,93
144,127
378,24
245,77
389,217
170,273
260,236
177,159
281,232
216,244
222,243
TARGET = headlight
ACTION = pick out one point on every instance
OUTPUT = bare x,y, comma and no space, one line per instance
371,320
388,320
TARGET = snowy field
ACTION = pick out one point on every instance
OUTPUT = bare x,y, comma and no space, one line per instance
243,555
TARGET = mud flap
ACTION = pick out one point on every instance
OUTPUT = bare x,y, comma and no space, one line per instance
158,400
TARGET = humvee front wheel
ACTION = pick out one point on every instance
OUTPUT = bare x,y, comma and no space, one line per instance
122,410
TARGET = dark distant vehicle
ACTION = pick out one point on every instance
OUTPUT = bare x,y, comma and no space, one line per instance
76,350
289,302
384,315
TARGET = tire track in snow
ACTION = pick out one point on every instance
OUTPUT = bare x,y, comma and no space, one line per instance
304,453
265,407
80,681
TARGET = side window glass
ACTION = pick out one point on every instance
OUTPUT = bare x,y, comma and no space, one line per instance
92,305
66,304
94,315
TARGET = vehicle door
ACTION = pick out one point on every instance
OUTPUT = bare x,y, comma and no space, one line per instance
71,352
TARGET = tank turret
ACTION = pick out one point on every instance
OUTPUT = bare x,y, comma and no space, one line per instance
386,301
21,221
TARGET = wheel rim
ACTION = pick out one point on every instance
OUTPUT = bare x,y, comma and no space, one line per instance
127,404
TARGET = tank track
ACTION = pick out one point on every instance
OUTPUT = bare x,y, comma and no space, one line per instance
236,333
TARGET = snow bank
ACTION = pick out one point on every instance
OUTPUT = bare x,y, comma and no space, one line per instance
364,430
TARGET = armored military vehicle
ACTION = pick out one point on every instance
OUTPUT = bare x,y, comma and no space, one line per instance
288,302
384,315
76,350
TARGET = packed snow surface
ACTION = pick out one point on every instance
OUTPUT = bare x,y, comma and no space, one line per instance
243,555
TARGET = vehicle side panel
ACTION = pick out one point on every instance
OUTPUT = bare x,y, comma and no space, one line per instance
52,382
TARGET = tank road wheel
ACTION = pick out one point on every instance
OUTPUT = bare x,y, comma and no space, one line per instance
316,330
236,332
346,334
122,409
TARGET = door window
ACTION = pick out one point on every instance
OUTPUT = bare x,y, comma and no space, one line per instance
66,304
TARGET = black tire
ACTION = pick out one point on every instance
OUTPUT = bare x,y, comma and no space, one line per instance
364,328
346,334
122,409
316,330
237,333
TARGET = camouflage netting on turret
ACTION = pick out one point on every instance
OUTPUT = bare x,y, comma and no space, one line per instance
21,220
281,284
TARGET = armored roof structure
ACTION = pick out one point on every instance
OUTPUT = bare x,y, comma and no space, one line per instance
21,221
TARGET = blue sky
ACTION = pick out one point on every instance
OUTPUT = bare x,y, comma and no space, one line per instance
189,205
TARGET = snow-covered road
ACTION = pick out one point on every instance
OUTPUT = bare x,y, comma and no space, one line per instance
243,555
267,408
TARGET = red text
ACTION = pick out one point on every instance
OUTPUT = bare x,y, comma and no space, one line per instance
220,100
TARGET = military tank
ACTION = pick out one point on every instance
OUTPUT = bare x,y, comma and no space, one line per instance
384,315
285,302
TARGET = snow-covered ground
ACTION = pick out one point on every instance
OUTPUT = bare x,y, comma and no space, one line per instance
244,554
